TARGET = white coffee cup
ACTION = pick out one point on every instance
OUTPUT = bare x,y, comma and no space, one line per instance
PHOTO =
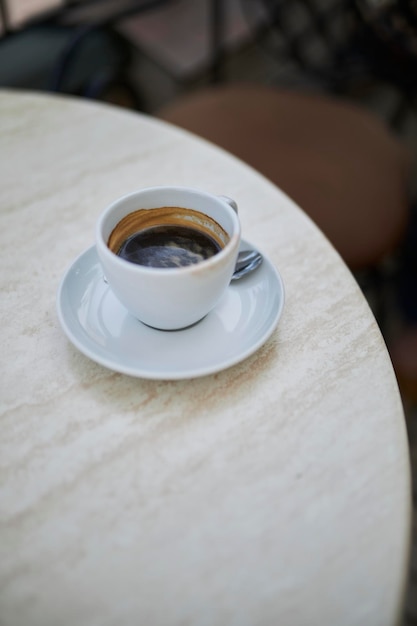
175,297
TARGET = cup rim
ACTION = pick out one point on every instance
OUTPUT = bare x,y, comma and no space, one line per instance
103,248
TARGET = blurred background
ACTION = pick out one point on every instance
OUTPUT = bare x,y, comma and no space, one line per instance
148,55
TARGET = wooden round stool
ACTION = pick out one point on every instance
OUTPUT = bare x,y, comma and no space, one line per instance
339,163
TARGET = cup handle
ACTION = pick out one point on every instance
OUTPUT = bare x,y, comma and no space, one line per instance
230,202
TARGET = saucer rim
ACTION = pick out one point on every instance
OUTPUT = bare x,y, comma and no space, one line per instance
168,374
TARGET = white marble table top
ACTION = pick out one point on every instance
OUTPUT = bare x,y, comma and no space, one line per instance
274,492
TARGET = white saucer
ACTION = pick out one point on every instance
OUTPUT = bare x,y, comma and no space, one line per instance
101,328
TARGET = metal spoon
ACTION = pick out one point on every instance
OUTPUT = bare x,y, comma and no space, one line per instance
247,261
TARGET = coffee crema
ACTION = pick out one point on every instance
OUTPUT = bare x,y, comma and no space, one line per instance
167,237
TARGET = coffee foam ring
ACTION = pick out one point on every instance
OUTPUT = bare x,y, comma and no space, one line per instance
142,219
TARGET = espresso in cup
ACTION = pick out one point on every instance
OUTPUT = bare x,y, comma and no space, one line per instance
167,237
168,253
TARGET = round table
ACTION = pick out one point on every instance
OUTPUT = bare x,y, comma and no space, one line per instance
276,491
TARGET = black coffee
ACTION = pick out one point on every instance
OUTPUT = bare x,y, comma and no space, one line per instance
168,246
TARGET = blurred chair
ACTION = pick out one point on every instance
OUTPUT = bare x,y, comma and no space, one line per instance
73,48
346,46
